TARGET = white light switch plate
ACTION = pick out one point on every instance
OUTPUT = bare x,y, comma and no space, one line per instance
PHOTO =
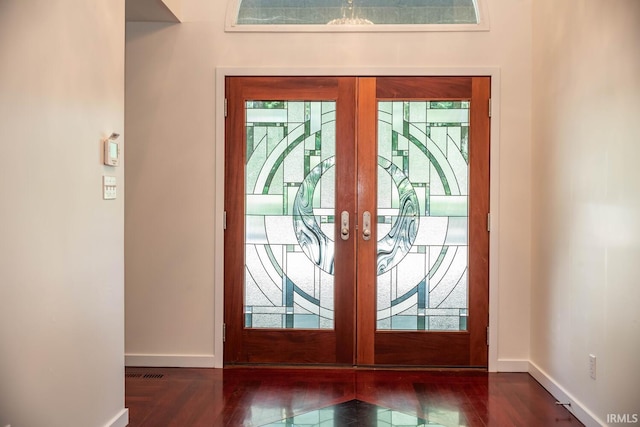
109,187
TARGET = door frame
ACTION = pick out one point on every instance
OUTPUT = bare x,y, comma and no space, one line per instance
223,72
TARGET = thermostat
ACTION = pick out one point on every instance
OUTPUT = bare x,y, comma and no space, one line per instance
112,150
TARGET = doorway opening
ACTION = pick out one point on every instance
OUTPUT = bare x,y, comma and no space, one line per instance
356,221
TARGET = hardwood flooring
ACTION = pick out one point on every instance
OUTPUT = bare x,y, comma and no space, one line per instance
159,397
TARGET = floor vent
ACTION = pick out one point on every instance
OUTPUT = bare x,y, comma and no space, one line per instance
154,376
133,375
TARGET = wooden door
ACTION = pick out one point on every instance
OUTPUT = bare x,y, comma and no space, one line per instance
290,170
410,153
423,275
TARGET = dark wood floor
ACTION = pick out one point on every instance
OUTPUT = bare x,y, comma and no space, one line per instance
258,396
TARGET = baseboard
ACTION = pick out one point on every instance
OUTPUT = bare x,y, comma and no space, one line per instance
170,360
120,420
512,365
588,418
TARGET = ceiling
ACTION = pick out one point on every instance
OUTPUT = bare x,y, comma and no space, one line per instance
153,10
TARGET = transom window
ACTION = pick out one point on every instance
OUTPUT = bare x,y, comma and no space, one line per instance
355,15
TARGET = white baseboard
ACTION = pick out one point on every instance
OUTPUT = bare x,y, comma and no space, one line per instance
170,360
120,420
512,365
588,418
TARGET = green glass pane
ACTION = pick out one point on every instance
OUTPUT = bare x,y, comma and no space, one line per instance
423,204
356,12
289,214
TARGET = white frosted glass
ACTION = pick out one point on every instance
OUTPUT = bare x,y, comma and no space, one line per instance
443,266
459,165
328,148
418,112
403,142
444,323
442,311
457,232
383,297
448,115
254,163
432,231
254,230
445,285
384,139
279,230
397,121
454,135
267,320
257,273
300,270
294,164
327,189
295,112
275,137
266,115
421,194
418,167
385,185
458,296
439,138
253,295
410,271
435,183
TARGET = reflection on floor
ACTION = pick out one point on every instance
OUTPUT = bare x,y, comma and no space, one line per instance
353,413
185,397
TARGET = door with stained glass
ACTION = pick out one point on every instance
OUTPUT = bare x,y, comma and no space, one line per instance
356,221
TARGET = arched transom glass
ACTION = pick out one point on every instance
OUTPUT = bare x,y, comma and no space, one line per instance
356,12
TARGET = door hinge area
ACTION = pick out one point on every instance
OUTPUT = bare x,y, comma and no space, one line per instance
224,220
224,332
487,335
225,107
490,107
488,221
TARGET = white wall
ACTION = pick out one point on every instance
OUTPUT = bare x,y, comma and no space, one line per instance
586,202
170,107
61,245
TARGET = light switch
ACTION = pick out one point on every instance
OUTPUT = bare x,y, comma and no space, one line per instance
108,187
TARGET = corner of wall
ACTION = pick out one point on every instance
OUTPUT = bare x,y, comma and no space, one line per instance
120,420
576,407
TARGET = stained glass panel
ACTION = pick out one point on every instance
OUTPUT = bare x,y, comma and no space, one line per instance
289,223
422,255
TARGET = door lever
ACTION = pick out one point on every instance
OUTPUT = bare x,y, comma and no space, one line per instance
366,225
344,225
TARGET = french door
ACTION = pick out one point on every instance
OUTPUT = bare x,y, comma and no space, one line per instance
356,220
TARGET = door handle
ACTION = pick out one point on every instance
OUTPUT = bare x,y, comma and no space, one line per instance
366,225
344,225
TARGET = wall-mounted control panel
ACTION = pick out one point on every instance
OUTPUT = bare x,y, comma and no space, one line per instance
109,187
112,150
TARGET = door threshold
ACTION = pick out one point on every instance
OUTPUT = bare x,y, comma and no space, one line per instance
358,367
